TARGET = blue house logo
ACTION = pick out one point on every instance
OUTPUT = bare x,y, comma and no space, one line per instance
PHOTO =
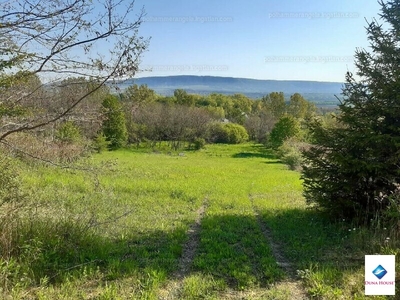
379,272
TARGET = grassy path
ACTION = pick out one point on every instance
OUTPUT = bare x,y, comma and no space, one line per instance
292,283
185,263
174,244
234,259
227,222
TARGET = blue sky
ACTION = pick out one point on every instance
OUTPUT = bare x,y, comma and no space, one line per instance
261,39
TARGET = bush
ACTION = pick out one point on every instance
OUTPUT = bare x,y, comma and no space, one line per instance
33,149
293,159
290,152
100,143
199,143
68,132
236,133
285,128
227,133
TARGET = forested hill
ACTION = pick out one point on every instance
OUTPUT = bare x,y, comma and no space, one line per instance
320,92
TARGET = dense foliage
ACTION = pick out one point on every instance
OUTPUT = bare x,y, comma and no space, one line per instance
68,132
184,118
287,127
353,169
114,126
227,133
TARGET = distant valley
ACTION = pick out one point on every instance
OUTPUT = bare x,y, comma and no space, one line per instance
321,93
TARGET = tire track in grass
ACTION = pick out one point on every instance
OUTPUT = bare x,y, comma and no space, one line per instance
172,290
190,247
292,283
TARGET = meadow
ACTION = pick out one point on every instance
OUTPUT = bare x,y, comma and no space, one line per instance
225,222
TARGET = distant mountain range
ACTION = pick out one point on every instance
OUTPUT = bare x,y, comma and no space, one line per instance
321,93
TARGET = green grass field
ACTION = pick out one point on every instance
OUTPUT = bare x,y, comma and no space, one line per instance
119,230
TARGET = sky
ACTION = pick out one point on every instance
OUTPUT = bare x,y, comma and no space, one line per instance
260,39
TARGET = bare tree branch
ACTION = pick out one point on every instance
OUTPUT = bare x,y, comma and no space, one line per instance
58,39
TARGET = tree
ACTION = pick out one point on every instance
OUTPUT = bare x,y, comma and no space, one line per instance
183,98
133,98
68,132
15,89
174,123
239,108
137,95
287,127
275,103
59,39
114,126
259,125
299,107
87,114
353,169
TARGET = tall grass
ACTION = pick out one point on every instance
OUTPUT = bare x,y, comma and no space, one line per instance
117,230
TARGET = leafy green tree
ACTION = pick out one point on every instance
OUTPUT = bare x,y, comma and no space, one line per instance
275,103
287,127
100,143
299,107
137,95
114,126
241,108
256,106
133,98
183,98
216,112
206,101
353,169
224,102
